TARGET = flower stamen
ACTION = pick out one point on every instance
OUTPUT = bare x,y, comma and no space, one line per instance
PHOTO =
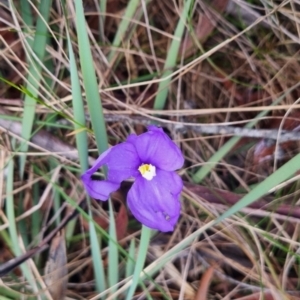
148,171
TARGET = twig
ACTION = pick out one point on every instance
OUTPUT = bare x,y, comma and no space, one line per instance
53,144
272,134
42,138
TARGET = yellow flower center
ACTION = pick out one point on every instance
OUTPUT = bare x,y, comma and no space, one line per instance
148,171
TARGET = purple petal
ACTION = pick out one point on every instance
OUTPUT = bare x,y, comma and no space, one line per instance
99,189
156,148
155,203
122,162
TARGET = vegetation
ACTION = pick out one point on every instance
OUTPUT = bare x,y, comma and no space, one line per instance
220,77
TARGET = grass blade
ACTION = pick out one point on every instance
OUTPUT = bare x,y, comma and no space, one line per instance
98,123
130,261
34,76
131,9
143,249
12,224
280,175
90,81
113,254
82,146
161,97
102,7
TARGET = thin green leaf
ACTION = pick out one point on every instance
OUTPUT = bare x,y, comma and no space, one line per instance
280,175
131,10
143,249
10,213
90,80
34,75
170,63
95,108
102,6
78,108
27,18
130,263
113,253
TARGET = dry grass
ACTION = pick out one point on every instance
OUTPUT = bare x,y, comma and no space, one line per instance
232,63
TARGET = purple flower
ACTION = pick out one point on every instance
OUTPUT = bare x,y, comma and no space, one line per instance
151,158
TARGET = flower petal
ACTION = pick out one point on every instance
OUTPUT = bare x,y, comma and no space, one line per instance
155,203
156,148
99,189
122,162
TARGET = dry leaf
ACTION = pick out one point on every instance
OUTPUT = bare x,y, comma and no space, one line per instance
206,24
121,217
56,270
